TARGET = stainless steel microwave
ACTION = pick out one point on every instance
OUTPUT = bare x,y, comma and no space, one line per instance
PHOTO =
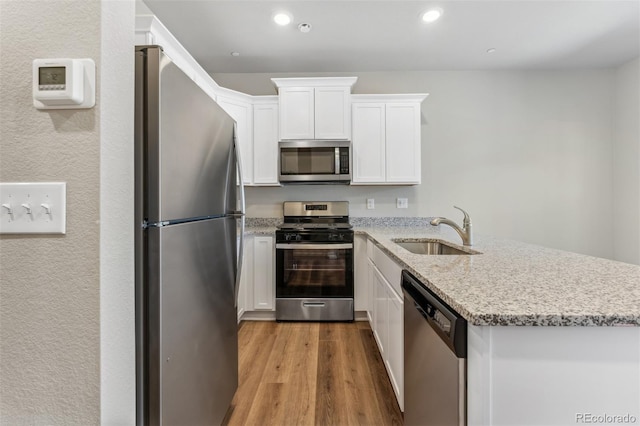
315,161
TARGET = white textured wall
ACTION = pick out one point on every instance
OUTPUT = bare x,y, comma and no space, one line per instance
527,153
626,177
49,285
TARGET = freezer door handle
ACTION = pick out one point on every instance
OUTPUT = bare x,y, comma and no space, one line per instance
236,288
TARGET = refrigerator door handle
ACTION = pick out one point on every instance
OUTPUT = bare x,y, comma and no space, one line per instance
239,166
239,214
236,288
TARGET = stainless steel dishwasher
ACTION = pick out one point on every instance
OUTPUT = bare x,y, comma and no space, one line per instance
435,365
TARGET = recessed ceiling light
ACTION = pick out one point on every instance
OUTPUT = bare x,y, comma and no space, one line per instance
282,18
491,50
432,15
235,53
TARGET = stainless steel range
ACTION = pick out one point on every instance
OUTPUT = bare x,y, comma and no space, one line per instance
314,262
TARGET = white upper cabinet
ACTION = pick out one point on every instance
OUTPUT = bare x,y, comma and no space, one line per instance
265,140
332,112
386,139
315,108
296,113
402,142
240,108
368,146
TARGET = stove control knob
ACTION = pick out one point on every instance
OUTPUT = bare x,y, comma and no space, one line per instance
290,237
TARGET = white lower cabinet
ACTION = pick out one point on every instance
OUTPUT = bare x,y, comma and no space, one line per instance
264,290
361,296
395,343
380,311
246,278
387,316
257,292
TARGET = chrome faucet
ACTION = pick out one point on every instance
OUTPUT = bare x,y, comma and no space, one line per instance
464,232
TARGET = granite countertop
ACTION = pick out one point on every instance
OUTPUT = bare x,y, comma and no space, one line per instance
261,226
513,283
510,283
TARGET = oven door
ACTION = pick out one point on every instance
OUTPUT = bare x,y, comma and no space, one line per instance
320,270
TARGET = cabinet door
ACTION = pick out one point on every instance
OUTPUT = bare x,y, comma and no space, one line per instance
296,112
372,295
265,144
242,112
368,143
362,283
264,292
245,292
380,312
395,347
332,113
403,143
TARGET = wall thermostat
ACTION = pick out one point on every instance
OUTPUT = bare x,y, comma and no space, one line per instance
64,83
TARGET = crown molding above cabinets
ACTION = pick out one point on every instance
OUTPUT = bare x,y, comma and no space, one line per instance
315,82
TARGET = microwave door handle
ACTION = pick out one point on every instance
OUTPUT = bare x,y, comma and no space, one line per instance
337,161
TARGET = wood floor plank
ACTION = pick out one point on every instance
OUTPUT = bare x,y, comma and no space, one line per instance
389,409
278,368
330,392
268,408
300,403
360,395
254,347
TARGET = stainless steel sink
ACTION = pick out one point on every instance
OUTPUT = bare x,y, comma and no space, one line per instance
431,247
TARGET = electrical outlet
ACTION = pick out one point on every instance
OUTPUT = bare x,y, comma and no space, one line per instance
371,203
402,203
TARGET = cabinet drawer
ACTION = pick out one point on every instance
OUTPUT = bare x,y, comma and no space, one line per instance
370,246
389,268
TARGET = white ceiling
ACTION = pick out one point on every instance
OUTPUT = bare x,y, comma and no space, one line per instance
361,35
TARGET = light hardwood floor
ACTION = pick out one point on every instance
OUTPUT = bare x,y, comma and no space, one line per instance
311,374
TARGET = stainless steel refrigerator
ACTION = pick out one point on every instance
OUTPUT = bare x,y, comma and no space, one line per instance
189,225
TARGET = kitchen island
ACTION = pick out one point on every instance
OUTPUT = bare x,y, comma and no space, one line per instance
553,337
513,283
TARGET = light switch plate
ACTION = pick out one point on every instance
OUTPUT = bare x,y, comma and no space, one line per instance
33,208
402,203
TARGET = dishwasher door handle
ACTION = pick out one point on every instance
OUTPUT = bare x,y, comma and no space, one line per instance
422,311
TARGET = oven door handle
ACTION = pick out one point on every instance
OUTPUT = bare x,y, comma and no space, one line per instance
303,246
